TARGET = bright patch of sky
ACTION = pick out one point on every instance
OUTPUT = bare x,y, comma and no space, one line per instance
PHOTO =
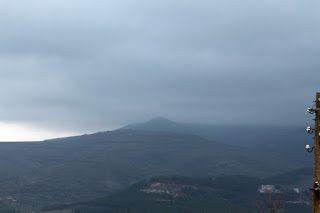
25,132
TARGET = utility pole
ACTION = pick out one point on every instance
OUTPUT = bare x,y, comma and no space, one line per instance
316,163
316,149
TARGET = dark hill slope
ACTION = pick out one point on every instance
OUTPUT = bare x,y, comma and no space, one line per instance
91,166
285,141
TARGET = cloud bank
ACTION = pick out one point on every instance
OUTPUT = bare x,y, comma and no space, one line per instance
82,66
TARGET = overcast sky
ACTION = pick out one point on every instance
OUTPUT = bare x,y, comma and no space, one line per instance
76,66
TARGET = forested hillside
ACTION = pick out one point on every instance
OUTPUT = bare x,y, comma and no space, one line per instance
91,166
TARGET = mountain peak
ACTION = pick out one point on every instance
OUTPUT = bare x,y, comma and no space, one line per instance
159,124
160,120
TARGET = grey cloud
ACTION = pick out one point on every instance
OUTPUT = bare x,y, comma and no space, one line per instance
88,65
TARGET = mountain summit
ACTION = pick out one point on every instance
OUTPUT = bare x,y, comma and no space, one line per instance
159,124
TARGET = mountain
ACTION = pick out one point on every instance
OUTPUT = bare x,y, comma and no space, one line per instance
91,166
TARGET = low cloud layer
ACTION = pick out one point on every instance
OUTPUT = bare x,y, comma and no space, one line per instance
95,65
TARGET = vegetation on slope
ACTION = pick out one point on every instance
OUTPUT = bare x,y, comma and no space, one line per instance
90,166
223,194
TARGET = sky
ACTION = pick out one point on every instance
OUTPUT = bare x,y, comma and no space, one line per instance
71,67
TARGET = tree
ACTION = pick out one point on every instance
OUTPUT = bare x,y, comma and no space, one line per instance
271,203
